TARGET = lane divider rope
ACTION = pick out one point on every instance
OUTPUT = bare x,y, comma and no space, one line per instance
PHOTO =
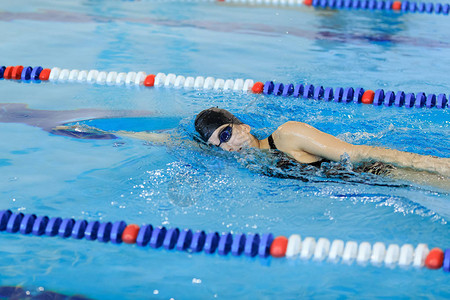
388,5
250,245
306,91
403,6
266,2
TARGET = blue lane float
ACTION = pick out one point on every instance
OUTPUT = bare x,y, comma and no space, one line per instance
171,238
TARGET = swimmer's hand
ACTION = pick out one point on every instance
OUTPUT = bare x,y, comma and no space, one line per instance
160,138
82,132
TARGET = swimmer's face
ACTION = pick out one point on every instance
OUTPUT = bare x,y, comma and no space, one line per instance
233,137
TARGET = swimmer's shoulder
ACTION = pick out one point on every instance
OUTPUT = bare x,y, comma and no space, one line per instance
289,139
288,131
291,127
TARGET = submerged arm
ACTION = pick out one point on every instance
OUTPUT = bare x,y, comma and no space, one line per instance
158,138
88,132
297,136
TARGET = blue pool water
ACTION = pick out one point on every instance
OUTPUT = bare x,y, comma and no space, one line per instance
184,185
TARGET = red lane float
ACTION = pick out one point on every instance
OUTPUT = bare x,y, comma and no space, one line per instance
130,234
435,259
149,80
397,5
308,2
367,97
258,87
8,72
279,246
45,74
16,72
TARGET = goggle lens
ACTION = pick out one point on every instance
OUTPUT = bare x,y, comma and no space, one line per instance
225,134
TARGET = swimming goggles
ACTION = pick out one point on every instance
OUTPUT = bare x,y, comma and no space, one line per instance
225,134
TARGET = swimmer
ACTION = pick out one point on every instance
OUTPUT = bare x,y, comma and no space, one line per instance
298,141
308,145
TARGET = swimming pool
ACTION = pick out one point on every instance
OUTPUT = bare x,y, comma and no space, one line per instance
182,185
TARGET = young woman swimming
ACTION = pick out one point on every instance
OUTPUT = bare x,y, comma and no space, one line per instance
309,145
298,141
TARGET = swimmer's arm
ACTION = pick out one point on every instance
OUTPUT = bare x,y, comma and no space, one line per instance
84,132
406,159
294,136
160,138
156,138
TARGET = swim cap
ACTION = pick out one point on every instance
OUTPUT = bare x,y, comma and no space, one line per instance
212,118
